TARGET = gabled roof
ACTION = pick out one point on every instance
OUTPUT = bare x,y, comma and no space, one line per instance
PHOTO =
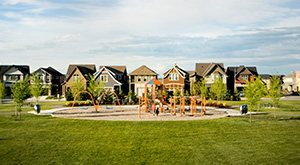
237,70
23,68
50,70
143,70
203,69
179,70
115,69
265,76
84,69
112,71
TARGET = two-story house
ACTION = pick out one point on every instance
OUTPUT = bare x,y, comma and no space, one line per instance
176,78
51,77
113,77
139,77
291,82
10,74
210,71
75,72
238,76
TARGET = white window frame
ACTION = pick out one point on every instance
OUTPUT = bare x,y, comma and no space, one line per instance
173,77
104,78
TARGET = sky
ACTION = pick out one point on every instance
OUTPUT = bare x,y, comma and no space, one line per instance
156,33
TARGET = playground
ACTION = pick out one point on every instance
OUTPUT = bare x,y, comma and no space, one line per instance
150,108
130,113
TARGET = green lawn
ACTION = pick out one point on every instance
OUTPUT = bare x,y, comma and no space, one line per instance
44,106
49,140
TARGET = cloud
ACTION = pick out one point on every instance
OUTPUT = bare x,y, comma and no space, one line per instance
158,33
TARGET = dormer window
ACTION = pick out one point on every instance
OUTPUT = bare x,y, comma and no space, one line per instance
104,78
139,78
75,77
244,77
173,76
145,78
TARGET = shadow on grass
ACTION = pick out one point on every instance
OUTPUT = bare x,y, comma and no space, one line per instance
292,118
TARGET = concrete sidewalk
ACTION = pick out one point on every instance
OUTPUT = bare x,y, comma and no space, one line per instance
48,112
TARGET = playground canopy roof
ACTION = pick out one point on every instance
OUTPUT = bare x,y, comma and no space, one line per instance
154,81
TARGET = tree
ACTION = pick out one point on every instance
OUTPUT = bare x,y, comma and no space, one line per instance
20,92
36,87
95,88
203,88
76,86
2,91
275,92
254,91
195,88
261,90
177,92
218,88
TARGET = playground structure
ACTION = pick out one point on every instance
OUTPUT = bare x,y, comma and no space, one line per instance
157,87
96,106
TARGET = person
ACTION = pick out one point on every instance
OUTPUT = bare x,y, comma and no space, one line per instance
157,111
154,108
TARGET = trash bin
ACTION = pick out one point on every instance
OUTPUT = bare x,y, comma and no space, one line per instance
244,109
37,108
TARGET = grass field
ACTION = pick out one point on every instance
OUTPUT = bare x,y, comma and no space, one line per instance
48,140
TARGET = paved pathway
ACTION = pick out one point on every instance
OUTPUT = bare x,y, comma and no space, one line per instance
130,113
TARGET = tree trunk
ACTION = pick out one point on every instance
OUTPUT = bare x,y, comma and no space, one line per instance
274,112
250,114
20,116
16,112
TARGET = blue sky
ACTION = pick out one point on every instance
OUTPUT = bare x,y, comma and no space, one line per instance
157,33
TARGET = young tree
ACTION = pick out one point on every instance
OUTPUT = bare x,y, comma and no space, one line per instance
195,88
2,91
203,88
20,92
177,92
254,91
36,87
95,88
275,92
218,88
76,86
261,90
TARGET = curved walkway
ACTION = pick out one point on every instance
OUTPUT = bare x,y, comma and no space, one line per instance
130,113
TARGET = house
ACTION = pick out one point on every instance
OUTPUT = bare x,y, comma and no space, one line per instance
114,77
291,82
139,77
176,78
51,77
238,76
210,71
10,74
266,78
78,72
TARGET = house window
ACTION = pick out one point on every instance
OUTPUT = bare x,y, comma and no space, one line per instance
47,79
173,76
13,77
103,78
75,77
244,77
132,78
145,78
41,77
139,78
